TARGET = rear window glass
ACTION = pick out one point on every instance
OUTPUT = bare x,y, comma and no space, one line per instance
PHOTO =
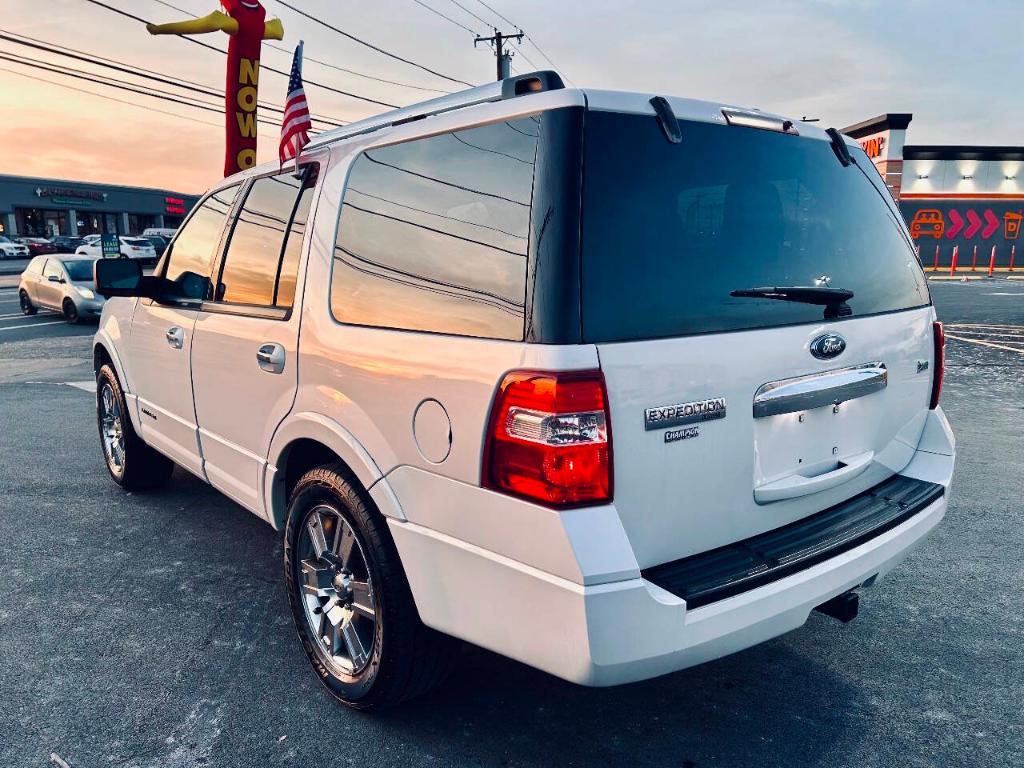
669,230
137,241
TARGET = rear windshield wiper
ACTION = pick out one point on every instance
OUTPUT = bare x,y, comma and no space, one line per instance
833,299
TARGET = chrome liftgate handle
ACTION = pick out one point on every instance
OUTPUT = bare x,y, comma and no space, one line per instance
819,389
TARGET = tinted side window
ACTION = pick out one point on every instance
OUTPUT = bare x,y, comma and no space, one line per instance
293,244
258,242
194,248
434,233
51,269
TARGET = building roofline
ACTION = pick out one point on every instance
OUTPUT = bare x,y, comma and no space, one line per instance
93,184
890,121
961,152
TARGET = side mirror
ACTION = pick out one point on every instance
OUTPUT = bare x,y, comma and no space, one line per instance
117,277
54,278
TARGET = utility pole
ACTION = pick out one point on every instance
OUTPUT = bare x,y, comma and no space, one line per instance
499,40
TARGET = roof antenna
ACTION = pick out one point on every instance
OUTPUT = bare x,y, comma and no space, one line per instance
667,119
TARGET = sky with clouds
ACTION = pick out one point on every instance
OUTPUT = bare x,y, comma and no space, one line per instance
956,66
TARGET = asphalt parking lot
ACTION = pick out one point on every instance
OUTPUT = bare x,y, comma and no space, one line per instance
153,630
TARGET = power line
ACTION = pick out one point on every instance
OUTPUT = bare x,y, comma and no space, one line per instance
547,59
530,39
371,46
482,21
499,40
328,64
61,69
139,72
521,52
107,98
503,18
119,85
436,12
262,67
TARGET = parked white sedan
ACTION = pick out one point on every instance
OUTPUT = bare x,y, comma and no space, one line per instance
131,248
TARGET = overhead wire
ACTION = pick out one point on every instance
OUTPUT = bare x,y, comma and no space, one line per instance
328,64
139,72
530,39
267,68
457,4
107,98
436,12
364,43
118,85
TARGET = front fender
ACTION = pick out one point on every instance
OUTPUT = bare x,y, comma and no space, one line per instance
110,336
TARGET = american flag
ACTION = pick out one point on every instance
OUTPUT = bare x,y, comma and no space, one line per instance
296,123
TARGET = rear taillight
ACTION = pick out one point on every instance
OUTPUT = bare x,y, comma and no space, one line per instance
939,336
549,439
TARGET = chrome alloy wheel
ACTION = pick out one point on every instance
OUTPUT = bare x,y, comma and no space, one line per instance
111,429
337,593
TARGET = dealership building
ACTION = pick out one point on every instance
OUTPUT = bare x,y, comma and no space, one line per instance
967,199
47,207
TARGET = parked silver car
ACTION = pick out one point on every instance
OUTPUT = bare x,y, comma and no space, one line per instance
61,283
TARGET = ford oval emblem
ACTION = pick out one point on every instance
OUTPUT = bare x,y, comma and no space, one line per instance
828,346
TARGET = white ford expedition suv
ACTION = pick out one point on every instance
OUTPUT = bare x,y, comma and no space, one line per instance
605,383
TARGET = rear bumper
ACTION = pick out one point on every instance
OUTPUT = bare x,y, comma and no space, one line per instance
555,591
625,631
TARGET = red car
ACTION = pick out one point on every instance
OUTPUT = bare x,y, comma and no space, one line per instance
38,246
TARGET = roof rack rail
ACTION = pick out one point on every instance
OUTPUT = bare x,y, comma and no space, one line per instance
520,85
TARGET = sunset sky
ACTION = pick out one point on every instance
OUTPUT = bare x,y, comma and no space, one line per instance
956,66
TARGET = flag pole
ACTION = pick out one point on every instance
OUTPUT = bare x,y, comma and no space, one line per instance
298,52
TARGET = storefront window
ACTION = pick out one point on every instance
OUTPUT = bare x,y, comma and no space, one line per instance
95,223
38,222
138,222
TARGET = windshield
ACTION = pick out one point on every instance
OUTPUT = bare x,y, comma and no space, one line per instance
5,239
79,270
670,231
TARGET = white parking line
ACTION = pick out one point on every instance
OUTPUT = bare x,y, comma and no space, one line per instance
988,334
985,343
31,325
985,325
24,320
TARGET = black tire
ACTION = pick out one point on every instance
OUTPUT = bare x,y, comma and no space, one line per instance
70,312
140,467
406,659
27,307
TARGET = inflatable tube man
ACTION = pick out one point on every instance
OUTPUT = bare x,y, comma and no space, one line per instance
247,28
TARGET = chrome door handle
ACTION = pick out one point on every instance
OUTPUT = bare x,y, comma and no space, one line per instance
175,337
271,358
